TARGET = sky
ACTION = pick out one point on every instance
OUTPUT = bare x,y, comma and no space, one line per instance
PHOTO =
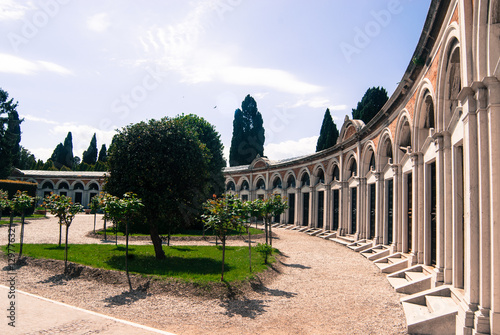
95,66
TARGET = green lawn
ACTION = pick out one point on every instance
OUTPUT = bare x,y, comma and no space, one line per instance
17,219
189,263
253,231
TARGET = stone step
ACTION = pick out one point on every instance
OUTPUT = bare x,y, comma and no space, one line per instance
415,276
315,232
339,240
397,282
439,305
347,239
329,235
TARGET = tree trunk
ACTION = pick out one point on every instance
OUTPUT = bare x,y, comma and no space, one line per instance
60,232
223,257
95,217
104,228
66,252
10,230
116,234
270,233
266,230
126,255
155,238
249,249
21,237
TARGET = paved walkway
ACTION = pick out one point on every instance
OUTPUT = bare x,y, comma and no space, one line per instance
37,315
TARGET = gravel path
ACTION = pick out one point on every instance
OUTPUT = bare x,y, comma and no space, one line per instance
324,288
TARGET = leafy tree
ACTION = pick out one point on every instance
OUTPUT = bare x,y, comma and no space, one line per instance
90,155
63,208
27,160
100,166
208,136
328,134
269,208
248,134
10,134
265,250
4,201
166,165
124,210
250,209
20,203
63,154
223,215
103,156
95,205
370,104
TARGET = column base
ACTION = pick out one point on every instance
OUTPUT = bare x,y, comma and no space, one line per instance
482,321
495,323
439,276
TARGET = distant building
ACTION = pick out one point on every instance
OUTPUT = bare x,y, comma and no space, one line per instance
81,186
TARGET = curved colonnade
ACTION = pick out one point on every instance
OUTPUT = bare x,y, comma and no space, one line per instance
416,189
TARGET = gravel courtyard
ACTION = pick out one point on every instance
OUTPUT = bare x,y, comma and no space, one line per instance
324,288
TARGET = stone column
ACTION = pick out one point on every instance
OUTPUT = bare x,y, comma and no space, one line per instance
379,221
298,207
404,213
420,208
471,206
396,214
313,207
415,212
448,208
482,315
362,210
440,232
493,111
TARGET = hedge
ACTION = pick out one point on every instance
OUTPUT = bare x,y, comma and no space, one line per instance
12,186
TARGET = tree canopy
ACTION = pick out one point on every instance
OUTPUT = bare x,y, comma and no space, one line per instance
370,104
328,134
10,134
90,155
63,153
166,165
248,134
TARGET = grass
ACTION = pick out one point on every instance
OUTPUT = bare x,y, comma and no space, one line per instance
199,264
253,231
17,219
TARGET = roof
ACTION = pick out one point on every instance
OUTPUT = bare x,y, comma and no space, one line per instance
60,174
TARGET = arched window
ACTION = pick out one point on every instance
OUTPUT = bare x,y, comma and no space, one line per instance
48,184
230,186
321,176
64,186
261,184
305,181
372,162
336,173
244,185
353,169
78,186
290,181
277,182
93,187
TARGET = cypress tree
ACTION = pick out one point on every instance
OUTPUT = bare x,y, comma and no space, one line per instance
10,134
371,103
103,156
248,134
63,153
90,155
328,134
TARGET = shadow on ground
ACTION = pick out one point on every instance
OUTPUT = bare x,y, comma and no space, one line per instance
298,266
128,297
247,308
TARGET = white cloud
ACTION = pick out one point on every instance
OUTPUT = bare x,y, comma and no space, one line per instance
18,65
289,149
318,102
37,119
13,10
99,22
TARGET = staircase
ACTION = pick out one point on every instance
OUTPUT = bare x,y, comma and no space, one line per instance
411,280
376,252
392,263
344,240
431,312
360,245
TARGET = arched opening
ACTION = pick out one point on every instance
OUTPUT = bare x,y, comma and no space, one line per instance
277,182
426,119
245,185
453,84
261,184
78,187
336,173
320,175
305,180
63,185
290,182
385,153
48,184
353,167
230,186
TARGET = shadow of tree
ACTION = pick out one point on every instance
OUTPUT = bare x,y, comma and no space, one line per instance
298,266
247,308
128,297
259,288
56,280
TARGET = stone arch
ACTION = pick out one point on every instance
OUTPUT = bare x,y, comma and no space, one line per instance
305,177
78,185
425,119
260,183
62,185
403,136
319,174
349,129
93,186
230,186
351,166
368,158
276,181
449,78
47,184
290,179
385,152
244,184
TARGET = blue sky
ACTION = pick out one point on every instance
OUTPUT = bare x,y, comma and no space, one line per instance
95,66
